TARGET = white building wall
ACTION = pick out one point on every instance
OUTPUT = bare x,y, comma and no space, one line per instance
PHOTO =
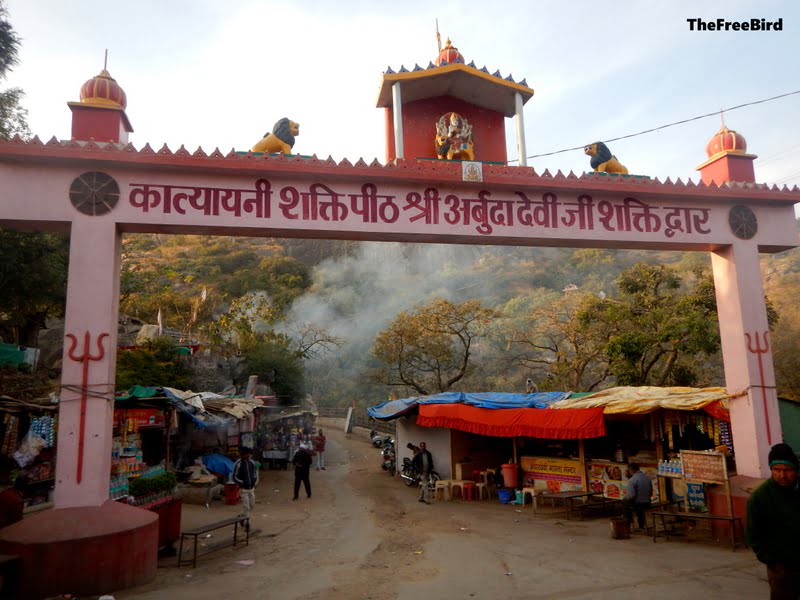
437,440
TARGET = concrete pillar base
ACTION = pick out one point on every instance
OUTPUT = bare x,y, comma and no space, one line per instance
89,550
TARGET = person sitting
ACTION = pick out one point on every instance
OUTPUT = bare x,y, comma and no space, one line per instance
638,495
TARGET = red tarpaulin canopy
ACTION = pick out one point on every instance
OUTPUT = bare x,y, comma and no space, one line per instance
567,424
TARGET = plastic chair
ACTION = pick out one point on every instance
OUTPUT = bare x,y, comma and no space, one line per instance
443,486
456,484
480,488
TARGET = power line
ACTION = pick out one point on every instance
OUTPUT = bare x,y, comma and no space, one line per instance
659,128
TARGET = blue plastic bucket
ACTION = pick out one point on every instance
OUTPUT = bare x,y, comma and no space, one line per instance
505,495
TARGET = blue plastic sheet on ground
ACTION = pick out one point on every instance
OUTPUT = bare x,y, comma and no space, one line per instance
218,463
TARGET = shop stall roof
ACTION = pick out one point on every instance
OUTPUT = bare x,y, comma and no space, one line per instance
579,423
488,400
646,399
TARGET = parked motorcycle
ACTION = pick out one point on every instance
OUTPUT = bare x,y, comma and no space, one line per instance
389,459
411,476
380,439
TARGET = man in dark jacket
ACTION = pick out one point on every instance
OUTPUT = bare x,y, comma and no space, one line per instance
245,474
423,462
302,468
637,495
773,524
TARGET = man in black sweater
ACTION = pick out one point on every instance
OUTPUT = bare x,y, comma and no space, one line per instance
245,474
773,524
302,467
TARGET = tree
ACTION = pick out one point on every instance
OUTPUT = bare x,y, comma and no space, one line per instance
430,348
561,351
155,364
658,327
12,114
33,282
278,365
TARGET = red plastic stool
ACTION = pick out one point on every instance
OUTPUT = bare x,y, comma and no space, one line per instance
476,475
469,490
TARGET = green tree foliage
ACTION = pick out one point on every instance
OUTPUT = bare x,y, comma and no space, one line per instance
12,114
158,363
658,327
274,362
430,349
33,279
560,351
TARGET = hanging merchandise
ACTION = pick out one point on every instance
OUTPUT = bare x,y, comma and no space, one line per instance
671,442
45,428
11,432
725,435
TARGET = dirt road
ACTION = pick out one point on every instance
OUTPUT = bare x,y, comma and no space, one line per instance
363,535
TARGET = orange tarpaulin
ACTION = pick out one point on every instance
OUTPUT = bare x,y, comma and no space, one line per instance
574,424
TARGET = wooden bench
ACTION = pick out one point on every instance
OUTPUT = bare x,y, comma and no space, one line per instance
735,522
198,531
601,504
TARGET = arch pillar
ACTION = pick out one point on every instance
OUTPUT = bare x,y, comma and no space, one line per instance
89,362
747,356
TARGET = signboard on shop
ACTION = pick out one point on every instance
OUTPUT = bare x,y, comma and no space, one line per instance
552,474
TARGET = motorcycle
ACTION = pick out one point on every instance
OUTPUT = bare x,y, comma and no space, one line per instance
389,459
380,439
411,477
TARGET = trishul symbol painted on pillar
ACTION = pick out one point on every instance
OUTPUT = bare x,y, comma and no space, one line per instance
760,345
84,359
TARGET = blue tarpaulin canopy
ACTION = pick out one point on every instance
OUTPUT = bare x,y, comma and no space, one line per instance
492,400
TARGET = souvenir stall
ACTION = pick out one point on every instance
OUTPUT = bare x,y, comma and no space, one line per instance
279,432
651,426
140,457
28,431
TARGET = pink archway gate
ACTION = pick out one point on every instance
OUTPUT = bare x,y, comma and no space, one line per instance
98,191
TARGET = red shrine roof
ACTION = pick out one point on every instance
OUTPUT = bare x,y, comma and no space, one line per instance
103,154
451,77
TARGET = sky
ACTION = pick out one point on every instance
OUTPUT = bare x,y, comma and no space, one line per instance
219,74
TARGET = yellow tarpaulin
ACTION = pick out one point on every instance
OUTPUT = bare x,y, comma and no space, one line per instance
645,399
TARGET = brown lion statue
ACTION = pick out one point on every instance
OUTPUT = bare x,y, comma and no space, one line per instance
281,139
602,159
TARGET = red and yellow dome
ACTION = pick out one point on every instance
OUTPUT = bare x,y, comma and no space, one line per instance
103,90
449,55
726,140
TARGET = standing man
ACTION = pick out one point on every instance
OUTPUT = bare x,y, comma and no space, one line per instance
302,466
637,496
423,461
245,475
319,448
773,524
